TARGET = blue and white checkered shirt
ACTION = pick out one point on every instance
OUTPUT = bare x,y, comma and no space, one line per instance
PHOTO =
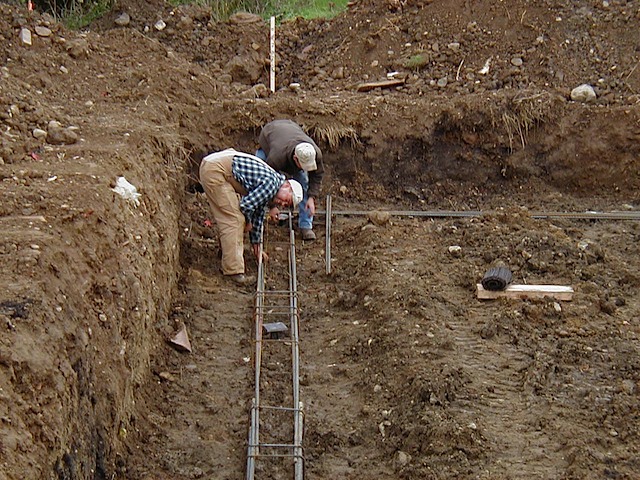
262,184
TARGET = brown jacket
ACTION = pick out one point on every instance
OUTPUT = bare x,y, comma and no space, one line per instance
278,139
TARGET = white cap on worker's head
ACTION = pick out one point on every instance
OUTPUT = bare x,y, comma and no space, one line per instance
306,156
296,190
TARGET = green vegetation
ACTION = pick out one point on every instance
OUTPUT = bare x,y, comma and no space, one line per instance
79,16
79,13
73,13
416,62
222,9
282,9
286,9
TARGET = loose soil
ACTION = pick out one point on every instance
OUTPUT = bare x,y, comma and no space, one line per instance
404,372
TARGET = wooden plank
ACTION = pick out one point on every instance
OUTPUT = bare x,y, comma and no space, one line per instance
28,218
365,87
559,292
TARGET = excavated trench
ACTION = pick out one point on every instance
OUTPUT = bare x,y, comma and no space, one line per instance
404,373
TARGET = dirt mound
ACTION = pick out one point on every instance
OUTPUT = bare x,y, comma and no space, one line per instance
405,373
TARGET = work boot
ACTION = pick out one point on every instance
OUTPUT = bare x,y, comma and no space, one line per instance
241,279
308,235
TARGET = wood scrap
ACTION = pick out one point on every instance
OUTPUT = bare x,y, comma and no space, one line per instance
559,292
365,87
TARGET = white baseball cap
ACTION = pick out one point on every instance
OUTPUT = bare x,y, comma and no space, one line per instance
296,189
306,156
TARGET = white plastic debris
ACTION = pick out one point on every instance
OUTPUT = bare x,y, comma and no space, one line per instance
127,191
485,69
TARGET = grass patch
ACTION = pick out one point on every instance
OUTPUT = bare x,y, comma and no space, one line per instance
416,62
282,9
78,16
317,8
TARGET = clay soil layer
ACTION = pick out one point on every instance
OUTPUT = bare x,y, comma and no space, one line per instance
455,116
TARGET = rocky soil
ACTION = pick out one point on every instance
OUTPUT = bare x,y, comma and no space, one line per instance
461,117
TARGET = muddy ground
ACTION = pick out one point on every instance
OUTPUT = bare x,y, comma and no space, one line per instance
404,372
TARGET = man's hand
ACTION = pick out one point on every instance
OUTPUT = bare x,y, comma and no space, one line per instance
256,253
273,214
311,206
248,227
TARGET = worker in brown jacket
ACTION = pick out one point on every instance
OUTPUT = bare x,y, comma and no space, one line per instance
286,148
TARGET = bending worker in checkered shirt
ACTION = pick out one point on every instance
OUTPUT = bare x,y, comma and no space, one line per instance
239,188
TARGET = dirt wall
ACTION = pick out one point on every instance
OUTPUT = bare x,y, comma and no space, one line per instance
91,300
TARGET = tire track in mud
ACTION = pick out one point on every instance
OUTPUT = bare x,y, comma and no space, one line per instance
505,413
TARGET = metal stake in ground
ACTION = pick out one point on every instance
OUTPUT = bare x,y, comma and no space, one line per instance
327,235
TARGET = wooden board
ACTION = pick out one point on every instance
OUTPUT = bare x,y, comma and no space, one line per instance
365,87
559,292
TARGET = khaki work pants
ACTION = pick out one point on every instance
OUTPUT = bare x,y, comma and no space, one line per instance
223,193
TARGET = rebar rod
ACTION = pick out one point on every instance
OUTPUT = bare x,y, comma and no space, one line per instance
327,226
263,311
478,213
295,355
254,431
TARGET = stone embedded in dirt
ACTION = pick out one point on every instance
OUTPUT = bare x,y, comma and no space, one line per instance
47,19
167,376
185,23
583,93
160,25
25,36
257,91
379,218
261,90
62,136
338,72
244,18
43,31
39,133
123,19
402,458
608,307
245,69
78,48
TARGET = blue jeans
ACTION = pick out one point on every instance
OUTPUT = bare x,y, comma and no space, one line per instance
305,221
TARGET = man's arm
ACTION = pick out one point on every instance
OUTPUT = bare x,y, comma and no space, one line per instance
315,181
257,220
